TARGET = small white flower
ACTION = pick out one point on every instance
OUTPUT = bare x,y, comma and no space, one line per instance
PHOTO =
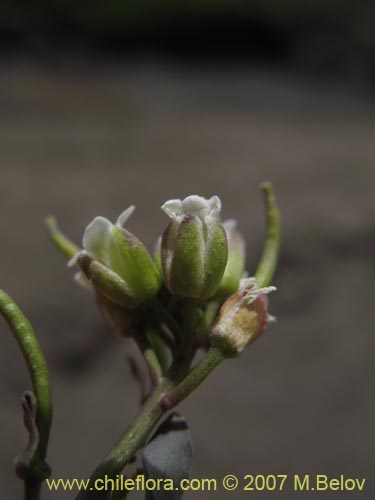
97,238
194,248
116,263
193,205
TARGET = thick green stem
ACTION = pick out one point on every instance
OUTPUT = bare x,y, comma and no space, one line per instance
268,262
64,244
166,396
133,439
194,379
37,468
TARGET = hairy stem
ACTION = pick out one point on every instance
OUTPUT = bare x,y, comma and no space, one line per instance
133,439
36,468
64,244
270,255
194,379
166,396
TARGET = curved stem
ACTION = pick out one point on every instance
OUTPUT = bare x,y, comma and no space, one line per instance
64,244
267,265
36,467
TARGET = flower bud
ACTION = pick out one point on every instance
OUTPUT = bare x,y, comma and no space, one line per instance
235,268
117,263
194,247
242,318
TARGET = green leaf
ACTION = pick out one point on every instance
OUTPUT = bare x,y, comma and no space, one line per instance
168,456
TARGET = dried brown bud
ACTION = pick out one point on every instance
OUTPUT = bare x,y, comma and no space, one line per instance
242,318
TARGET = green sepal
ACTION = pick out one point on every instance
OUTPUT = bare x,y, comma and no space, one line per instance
132,262
106,281
215,258
182,257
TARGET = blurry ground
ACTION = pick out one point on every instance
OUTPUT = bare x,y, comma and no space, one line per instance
78,143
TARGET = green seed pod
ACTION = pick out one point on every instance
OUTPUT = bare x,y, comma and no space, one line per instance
194,247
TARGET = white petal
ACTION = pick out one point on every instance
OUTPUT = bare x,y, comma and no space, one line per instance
173,208
124,216
215,207
193,205
97,238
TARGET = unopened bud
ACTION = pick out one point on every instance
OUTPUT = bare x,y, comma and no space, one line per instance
242,318
117,263
194,247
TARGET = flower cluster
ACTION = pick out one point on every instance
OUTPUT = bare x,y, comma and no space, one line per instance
199,260
192,295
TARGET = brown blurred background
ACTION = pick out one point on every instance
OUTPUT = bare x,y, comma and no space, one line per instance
111,104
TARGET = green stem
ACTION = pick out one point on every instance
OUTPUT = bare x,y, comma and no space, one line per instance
167,395
186,351
267,265
37,367
189,320
197,375
212,310
149,355
164,315
160,343
133,439
209,315
64,244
